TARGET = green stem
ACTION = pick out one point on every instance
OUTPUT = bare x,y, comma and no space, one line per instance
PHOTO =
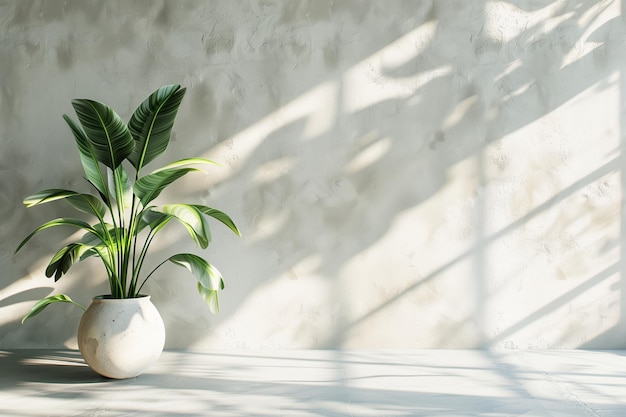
114,284
121,232
142,256
132,246
109,257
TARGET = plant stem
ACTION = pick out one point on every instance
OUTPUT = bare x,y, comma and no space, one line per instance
142,256
121,243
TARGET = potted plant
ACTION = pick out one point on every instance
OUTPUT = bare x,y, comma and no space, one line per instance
121,333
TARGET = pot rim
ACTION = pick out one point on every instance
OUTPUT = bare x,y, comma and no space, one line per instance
109,297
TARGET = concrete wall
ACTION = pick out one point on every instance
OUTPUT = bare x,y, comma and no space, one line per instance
406,174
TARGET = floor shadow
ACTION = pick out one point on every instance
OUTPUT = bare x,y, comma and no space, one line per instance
47,367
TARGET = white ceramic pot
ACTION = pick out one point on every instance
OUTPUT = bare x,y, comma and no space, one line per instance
121,338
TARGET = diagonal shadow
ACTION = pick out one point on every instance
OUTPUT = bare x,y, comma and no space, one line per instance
360,201
46,367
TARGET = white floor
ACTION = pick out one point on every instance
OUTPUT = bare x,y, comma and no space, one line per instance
322,383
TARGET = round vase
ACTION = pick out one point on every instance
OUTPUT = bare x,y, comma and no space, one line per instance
121,338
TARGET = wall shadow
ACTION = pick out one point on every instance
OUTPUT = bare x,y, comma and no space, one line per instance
323,167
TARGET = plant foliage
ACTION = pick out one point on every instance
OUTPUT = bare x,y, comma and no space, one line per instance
113,155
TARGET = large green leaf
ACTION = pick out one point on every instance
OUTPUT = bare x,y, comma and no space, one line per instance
206,274
98,251
57,222
153,219
151,124
209,278
65,258
89,160
185,162
210,297
86,203
148,187
193,220
45,302
100,234
219,215
112,141
120,177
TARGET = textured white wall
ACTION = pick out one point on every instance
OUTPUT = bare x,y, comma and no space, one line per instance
405,174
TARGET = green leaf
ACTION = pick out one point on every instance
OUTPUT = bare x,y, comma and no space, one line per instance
65,258
219,215
209,278
193,220
111,140
94,251
86,203
124,183
151,124
153,219
185,162
206,274
99,236
210,297
88,159
45,302
46,196
57,222
148,187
